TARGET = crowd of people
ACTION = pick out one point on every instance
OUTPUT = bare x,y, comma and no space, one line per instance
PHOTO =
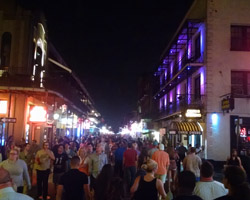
117,168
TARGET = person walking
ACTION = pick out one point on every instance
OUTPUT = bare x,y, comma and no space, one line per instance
181,150
96,162
119,159
207,188
42,166
74,183
162,159
192,163
129,163
60,164
18,170
147,187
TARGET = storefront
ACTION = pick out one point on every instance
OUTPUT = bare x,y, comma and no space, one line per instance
185,132
240,133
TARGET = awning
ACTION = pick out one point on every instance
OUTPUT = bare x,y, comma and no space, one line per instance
187,128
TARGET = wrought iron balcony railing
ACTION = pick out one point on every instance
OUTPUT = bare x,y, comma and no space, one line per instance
181,103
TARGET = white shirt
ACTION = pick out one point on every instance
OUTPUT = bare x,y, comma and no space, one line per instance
9,194
210,190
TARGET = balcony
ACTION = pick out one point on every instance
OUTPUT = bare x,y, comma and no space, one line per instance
182,103
61,84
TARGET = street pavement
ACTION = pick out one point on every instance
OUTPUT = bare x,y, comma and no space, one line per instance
218,176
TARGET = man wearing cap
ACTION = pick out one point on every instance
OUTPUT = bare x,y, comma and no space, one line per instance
6,190
162,159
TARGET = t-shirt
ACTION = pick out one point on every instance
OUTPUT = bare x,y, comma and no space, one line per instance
73,182
43,160
162,159
184,197
130,156
119,154
210,190
60,163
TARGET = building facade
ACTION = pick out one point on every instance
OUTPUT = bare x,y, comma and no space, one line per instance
203,98
40,97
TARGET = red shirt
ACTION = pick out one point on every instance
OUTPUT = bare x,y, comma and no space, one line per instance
130,156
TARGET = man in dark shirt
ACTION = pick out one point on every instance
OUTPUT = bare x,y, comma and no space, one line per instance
74,183
60,164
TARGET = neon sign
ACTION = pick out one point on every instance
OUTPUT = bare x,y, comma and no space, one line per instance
38,114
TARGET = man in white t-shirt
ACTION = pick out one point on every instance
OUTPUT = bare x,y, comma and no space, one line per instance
207,188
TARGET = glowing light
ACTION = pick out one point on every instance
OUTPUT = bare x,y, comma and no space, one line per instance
215,119
3,107
165,100
56,116
200,126
156,135
194,113
192,140
38,114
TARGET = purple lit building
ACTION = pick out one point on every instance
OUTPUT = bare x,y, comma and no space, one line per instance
204,77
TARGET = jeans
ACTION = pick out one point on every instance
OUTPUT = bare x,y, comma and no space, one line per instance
42,182
129,175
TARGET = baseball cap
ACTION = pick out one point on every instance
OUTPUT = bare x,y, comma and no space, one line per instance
161,147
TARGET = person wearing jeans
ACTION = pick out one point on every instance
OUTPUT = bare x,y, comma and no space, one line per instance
130,163
42,166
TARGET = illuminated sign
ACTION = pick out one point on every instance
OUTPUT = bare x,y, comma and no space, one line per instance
193,113
243,132
227,104
38,114
3,107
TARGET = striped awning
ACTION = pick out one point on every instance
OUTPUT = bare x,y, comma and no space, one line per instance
187,128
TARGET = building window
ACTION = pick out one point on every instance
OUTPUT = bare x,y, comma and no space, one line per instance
5,50
240,83
240,38
197,87
197,46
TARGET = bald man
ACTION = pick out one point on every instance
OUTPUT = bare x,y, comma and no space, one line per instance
6,190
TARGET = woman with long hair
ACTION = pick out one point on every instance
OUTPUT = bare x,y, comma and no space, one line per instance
103,181
234,159
147,187
235,181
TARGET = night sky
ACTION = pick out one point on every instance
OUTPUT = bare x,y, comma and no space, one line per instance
109,45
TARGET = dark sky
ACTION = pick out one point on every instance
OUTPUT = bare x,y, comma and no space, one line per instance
110,44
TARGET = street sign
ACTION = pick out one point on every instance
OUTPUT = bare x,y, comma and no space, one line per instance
8,120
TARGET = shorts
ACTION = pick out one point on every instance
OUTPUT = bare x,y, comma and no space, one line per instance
56,177
161,177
